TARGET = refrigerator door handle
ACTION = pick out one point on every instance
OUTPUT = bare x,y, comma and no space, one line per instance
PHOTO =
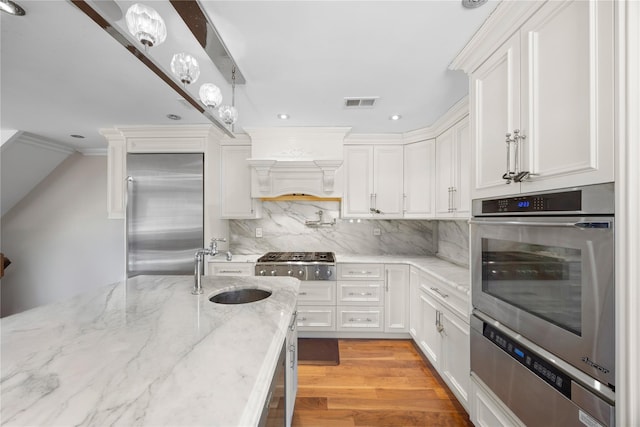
128,207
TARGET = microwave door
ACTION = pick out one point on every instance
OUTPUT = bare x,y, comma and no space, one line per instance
550,279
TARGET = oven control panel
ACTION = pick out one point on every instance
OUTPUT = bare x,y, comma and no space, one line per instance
530,360
567,201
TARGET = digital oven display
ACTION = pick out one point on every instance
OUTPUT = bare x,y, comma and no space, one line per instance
569,201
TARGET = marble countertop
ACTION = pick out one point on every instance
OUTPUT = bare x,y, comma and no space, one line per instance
145,352
446,271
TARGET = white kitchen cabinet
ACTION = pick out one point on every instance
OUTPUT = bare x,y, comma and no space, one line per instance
373,184
443,334
317,306
396,299
452,194
291,375
414,303
419,179
235,183
553,81
486,410
231,268
361,293
360,318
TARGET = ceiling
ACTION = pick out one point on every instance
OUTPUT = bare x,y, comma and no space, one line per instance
61,74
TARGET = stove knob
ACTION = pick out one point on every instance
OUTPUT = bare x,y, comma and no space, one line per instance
329,272
273,272
317,273
300,273
263,272
290,273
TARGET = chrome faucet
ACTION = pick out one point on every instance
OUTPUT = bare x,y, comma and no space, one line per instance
199,263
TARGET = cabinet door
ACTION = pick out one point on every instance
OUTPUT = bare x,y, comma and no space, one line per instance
419,179
568,94
495,110
444,162
388,180
462,177
235,182
429,338
291,375
455,361
396,300
358,181
414,304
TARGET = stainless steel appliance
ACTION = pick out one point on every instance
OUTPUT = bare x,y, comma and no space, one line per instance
301,265
165,212
542,271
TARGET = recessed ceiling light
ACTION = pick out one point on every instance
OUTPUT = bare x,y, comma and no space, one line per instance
173,117
395,117
77,136
11,8
283,116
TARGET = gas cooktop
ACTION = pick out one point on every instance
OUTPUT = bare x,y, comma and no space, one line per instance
298,257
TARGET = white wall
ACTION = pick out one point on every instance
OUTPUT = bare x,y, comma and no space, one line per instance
59,239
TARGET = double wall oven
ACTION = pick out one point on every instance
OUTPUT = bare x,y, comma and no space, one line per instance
543,324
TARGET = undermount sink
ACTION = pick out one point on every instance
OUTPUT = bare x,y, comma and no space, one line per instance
240,296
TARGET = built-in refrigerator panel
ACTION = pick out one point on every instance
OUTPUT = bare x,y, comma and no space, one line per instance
165,212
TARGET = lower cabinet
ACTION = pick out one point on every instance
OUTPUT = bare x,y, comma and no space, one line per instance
291,375
317,306
486,410
441,333
231,268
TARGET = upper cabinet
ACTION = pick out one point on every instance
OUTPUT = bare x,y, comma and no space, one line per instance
373,181
235,183
419,179
452,194
542,101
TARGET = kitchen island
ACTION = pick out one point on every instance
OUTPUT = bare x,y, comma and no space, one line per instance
146,352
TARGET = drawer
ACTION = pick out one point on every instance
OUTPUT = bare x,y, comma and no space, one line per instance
317,292
369,318
361,292
353,271
231,268
456,301
316,318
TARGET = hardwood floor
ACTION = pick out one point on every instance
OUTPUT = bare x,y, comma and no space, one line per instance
377,383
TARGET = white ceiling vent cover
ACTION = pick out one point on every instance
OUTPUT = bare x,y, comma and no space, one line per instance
362,102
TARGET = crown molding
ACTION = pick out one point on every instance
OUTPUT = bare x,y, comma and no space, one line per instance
502,23
374,138
93,151
42,143
456,113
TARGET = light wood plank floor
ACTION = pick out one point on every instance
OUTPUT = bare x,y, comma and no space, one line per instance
378,383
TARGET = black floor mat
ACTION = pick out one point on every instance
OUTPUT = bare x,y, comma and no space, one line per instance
318,351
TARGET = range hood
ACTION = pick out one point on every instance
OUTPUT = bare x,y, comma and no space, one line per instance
296,160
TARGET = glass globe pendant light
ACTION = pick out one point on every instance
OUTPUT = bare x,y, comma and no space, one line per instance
210,95
228,113
185,67
146,25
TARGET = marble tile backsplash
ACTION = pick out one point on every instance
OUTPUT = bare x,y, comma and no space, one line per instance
453,241
283,229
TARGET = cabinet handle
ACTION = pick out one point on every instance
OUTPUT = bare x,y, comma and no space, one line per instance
454,190
360,272
302,293
230,271
372,206
361,294
404,202
352,319
386,280
292,326
436,290
516,174
302,319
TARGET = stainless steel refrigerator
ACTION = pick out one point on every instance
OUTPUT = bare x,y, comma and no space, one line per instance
165,212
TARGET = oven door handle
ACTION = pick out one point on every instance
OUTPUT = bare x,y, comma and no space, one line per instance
582,225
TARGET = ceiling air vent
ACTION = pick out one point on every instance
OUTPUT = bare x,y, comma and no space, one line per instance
364,102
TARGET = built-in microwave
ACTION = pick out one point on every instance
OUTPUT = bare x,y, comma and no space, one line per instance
543,266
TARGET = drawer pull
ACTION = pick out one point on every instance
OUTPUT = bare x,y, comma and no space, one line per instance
437,291
360,320
231,271
302,293
361,272
361,294
302,319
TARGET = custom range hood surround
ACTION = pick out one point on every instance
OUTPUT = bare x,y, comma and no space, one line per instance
296,160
